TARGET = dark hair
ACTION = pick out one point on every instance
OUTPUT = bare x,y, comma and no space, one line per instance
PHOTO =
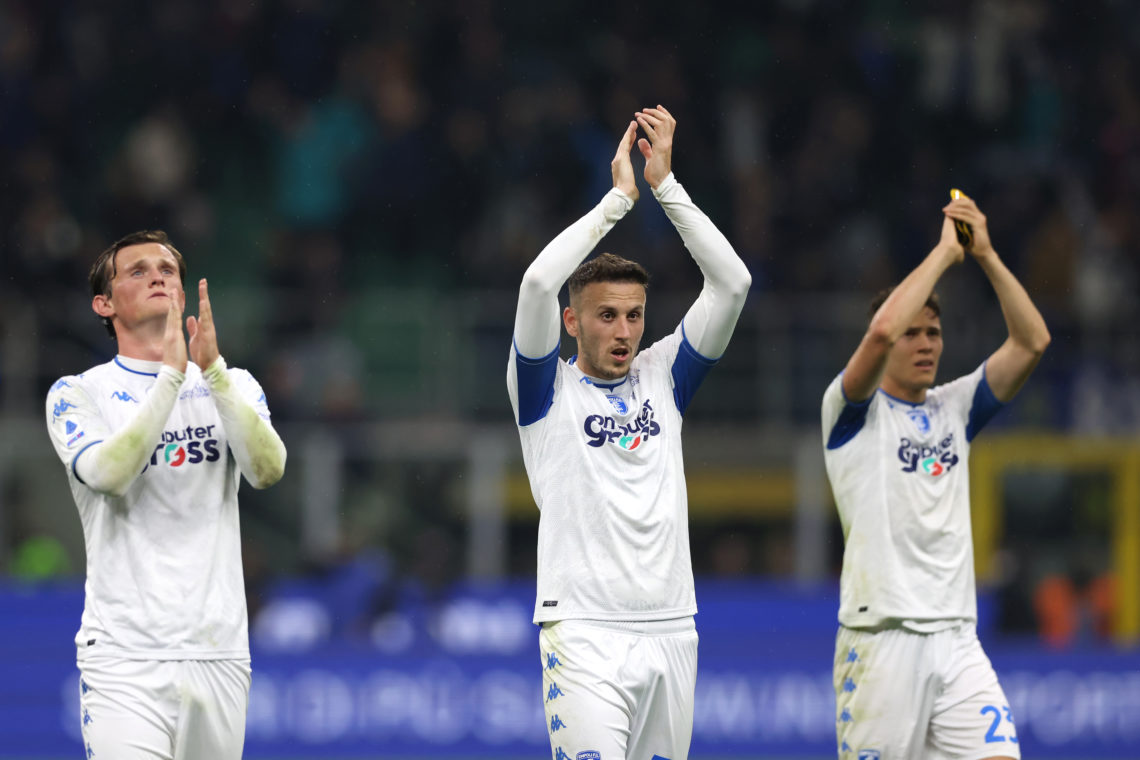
103,270
606,268
880,298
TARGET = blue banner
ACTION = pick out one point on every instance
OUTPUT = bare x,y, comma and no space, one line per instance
462,677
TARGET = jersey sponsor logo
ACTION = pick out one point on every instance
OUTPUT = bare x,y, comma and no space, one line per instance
920,420
190,445
601,430
933,460
61,406
124,396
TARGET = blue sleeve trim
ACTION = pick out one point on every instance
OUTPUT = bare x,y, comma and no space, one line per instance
79,453
535,379
850,422
689,370
983,408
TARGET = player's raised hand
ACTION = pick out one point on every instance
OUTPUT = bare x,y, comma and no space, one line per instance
621,167
948,240
658,125
173,341
964,209
203,336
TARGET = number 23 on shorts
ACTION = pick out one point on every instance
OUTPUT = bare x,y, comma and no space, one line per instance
992,735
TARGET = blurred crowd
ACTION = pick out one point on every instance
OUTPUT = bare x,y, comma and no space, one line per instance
306,152
313,149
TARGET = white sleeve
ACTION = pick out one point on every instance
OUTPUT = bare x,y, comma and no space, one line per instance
711,319
111,465
538,323
258,450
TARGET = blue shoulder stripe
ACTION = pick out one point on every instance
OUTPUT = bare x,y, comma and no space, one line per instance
535,385
850,422
983,408
689,371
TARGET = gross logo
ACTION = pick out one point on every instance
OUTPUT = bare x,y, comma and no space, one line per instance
601,430
190,445
174,455
933,460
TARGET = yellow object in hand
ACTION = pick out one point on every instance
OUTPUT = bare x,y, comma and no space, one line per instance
964,230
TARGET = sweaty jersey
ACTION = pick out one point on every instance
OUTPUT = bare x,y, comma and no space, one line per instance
900,475
605,468
164,573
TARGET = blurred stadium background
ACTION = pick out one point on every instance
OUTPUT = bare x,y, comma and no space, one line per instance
364,183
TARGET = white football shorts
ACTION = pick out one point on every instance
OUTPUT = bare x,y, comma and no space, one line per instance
619,691
163,709
901,695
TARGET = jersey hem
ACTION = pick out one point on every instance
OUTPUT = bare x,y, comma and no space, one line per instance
85,653
648,616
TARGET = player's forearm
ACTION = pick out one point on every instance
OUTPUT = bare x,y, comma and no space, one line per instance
710,321
907,299
537,325
112,465
1025,324
259,451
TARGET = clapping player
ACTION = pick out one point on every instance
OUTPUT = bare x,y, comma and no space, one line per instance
155,442
911,678
601,440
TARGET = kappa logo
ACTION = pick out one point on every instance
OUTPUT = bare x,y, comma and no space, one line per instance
124,396
61,406
61,383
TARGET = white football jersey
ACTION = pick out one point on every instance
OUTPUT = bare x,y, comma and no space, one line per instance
606,471
900,475
164,572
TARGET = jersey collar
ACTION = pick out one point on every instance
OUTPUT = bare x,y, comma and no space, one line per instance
138,366
573,361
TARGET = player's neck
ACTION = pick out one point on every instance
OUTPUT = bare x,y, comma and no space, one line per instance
910,394
140,343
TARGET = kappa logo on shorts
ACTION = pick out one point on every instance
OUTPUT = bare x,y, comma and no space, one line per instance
868,754
589,754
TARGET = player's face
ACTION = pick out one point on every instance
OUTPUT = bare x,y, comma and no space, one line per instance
608,319
913,361
146,279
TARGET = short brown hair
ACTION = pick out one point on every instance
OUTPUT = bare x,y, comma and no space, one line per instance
880,298
103,270
606,268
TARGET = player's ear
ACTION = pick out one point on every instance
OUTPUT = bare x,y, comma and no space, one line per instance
570,319
101,305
